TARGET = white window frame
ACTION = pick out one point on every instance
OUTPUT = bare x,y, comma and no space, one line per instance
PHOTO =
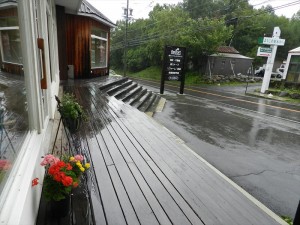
1,47
106,49
19,201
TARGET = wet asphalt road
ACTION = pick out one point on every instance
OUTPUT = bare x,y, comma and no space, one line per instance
253,141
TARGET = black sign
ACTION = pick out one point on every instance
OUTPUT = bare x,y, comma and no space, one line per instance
174,58
173,67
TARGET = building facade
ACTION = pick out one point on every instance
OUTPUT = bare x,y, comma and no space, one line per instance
32,65
292,70
228,61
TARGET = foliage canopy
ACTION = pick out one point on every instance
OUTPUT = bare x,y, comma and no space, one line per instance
201,26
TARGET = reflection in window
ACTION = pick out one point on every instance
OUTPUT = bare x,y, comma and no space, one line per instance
13,110
11,46
98,49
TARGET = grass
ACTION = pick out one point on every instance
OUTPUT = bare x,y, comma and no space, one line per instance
154,74
287,219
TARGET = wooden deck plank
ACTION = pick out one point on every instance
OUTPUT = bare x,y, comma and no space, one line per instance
140,204
172,209
153,179
96,203
110,201
222,188
261,216
130,215
154,183
230,193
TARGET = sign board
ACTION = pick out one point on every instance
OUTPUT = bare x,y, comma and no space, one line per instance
173,65
271,41
265,52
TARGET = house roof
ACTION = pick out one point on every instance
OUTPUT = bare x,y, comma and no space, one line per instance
71,6
296,50
231,55
7,3
86,9
227,49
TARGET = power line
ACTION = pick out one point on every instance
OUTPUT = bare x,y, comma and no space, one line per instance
136,42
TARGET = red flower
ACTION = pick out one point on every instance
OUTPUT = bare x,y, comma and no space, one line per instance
61,164
67,181
68,166
35,182
59,176
53,169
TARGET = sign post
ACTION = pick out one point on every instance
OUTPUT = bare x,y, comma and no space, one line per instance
274,41
173,66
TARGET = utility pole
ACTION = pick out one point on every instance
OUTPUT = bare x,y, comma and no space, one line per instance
125,46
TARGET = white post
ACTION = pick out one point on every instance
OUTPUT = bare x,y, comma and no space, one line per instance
270,62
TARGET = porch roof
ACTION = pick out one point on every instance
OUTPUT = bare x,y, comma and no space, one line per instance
231,55
73,5
296,50
86,9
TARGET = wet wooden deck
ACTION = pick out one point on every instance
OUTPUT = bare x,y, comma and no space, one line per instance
141,175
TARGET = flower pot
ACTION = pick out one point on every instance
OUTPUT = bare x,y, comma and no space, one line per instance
60,209
73,125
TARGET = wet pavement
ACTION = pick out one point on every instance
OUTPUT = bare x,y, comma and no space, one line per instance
253,141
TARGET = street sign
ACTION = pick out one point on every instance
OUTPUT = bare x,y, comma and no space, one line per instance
174,62
264,52
271,41
173,66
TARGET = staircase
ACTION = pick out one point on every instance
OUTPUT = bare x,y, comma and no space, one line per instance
133,94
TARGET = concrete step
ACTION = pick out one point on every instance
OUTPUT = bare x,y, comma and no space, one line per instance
113,83
148,103
143,100
124,91
138,97
131,95
119,87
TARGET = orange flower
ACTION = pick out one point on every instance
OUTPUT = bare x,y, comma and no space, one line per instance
75,184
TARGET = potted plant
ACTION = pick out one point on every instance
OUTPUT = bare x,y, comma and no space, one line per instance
71,111
62,175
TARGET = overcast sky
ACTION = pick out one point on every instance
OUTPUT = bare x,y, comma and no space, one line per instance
113,8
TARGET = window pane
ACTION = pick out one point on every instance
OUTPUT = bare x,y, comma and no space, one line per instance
11,46
99,33
295,59
98,53
13,108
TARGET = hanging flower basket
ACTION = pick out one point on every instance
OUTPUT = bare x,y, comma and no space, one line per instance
71,112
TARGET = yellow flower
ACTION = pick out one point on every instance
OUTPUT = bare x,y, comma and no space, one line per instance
82,169
78,164
87,165
72,159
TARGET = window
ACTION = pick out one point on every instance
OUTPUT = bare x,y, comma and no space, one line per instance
14,124
98,48
10,43
293,74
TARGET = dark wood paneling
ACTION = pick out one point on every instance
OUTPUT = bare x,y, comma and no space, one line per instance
61,39
12,68
78,45
78,42
9,12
